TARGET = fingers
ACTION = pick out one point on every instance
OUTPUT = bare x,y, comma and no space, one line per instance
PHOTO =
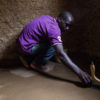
85,78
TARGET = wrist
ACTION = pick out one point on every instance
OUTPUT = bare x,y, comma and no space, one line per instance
78,71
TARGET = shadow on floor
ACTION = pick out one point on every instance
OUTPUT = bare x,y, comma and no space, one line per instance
81,59
76,83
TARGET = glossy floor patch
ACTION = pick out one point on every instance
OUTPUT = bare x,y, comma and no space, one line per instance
23,72
42,87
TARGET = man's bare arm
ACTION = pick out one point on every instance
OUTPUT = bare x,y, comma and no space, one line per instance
68,62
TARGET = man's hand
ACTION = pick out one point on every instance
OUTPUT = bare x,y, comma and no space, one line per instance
85,78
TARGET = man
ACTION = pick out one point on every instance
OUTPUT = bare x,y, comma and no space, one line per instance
41,38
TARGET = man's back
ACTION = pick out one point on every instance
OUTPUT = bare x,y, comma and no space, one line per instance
38,30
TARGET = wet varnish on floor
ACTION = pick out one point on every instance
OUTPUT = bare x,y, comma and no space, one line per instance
22,84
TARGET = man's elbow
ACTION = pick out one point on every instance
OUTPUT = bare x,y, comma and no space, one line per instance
61,54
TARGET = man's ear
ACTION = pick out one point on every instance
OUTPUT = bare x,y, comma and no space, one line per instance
60,20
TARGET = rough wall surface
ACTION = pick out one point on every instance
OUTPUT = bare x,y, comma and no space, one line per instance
83,37
14,14
85,34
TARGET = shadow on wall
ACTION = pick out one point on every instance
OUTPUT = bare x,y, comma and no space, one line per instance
17,13
14,15
10,55
80,58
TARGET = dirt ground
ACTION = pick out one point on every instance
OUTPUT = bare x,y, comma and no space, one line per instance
23,84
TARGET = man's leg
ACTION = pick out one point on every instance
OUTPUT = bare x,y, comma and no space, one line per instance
26,58
43,53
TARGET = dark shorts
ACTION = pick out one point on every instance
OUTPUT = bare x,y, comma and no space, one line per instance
41,53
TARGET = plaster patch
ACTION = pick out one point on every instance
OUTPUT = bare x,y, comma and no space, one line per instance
1,86
2,97
22,72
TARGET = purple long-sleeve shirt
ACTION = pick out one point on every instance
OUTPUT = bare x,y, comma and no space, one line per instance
43,28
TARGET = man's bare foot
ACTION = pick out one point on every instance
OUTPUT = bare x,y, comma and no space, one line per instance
24,62
42,68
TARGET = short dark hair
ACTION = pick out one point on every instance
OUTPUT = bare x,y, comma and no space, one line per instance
65,15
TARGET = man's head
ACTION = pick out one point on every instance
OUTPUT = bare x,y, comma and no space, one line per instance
65,20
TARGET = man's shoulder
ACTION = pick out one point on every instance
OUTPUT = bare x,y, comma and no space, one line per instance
45,18
49,21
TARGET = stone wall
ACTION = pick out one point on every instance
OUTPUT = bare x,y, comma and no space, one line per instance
83,37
